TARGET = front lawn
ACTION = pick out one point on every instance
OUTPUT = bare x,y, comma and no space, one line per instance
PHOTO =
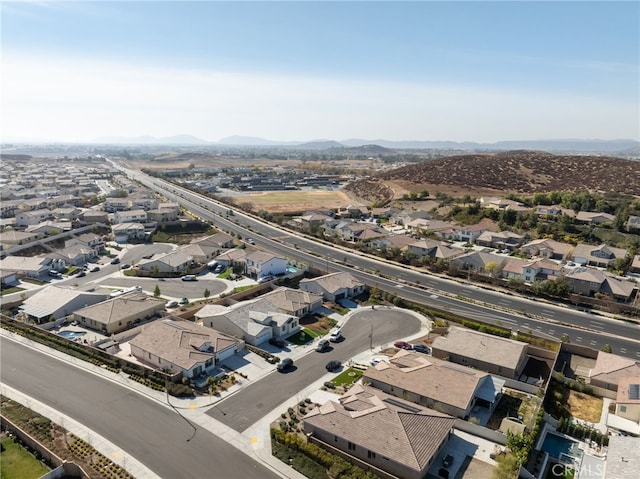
12,289
348,377
302,337
18,462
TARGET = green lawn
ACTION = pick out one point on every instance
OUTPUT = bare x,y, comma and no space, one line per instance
349,376
18,463
302,337
226,273
12,289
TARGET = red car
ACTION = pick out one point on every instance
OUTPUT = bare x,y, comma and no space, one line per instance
402,345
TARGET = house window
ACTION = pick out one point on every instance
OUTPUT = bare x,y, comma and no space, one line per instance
335,438
351,446
149,355
623,408
371,455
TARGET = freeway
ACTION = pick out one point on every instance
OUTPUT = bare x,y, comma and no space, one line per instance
468,300
152,433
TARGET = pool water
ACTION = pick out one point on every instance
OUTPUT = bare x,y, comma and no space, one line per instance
71,334
291,269
556,445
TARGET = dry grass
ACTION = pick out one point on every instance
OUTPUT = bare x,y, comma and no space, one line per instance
294,201
585,407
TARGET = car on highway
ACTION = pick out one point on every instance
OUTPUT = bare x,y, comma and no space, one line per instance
402,345
421,348
250,241
322,345
333,365
189,277
285,364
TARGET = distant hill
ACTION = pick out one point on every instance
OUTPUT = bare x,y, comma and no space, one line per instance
524,172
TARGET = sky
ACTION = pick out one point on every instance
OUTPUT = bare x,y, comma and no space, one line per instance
302,70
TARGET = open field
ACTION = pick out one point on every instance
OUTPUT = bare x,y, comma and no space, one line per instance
294,201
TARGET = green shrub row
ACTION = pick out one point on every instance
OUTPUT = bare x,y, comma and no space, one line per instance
582,432
336,466
265,354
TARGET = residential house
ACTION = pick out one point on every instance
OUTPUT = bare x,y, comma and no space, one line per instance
589,281
628,398
594,218
182,346
32,204
541,269
169,205
94,216
111,205
59,301
260,264
88,240
30,266
49,228
547,248
232,257
452,389
120,313
433,249
422,226
390,242
161,215
502,204
144,203
313,220
635,264
479,262
125,232
623,458
503,240
293,301
33,217
493,354
513,268
333,286
172,262
74,255
67,214
255,321
132,216
468,234
633,224
610,370
391,435
601,256
549,210
13,237
203,250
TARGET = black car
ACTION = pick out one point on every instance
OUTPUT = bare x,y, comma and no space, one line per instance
421,348
115,261
277,342
448,460
81,274
95,269
285,364
333,365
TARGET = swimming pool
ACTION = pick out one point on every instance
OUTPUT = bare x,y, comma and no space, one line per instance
72,334
556,445
291,269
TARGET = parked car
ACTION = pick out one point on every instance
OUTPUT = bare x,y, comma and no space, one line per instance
285,364
95,269
335,335
148,256
333,365
329,385
402,345
115,261
125,266
421,348
277,342
250,241
322,345
189,277
219,269
448,460
55,274
184,301
81,274
172,304
375,361
265,279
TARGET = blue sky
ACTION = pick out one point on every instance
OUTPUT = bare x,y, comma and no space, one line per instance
476,71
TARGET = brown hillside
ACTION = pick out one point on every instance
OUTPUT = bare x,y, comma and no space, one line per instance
523,172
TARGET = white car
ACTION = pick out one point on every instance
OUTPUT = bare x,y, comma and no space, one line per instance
335,336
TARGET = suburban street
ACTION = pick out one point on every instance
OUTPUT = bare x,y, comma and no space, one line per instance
154,434
591,330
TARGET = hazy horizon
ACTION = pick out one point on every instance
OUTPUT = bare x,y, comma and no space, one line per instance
300,71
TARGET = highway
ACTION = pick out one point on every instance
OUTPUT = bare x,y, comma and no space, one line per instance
152,433
517,313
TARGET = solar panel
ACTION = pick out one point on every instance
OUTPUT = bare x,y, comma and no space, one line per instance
634,391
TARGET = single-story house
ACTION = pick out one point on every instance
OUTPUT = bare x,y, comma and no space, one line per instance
501,240
334,286
610,369
171,262
31,266
120,313
594,218
493,354
182,346
58,301
435,383
232,257
391,435
547,248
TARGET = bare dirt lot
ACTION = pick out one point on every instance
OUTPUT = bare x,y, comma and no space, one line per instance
294,201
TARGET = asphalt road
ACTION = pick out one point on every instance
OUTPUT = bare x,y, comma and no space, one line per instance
590,330
154,434
250,404
172,288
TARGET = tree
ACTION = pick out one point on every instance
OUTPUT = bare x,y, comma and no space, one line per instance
156,291
606,348
207,293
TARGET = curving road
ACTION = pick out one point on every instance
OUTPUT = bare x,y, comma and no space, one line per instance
152,433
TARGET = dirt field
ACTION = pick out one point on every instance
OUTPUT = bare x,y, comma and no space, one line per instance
585,407
294,201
